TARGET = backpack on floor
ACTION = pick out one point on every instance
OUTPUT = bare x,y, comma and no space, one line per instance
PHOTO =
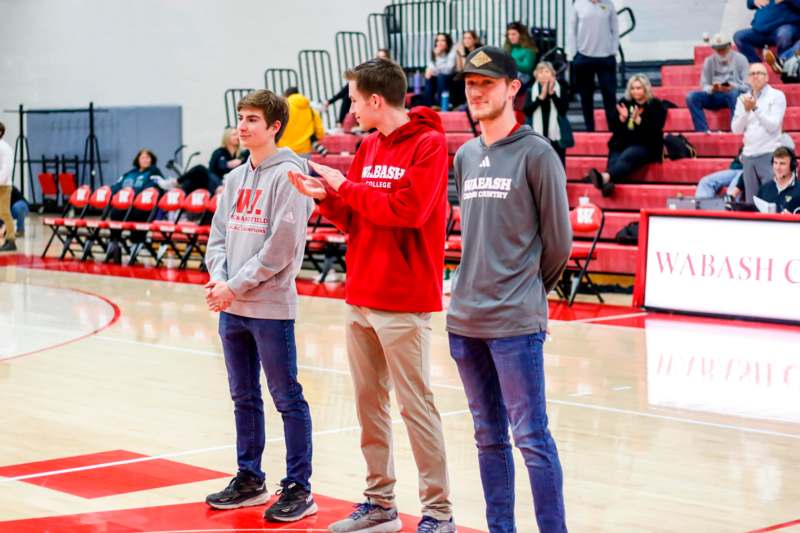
629,234
678,147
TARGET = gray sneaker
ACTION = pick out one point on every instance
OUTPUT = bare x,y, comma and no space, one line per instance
428,524
369,518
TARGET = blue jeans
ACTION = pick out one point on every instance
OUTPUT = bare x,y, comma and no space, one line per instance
504,383
699,100
19,211
790,52
749,40
710,185
249,344
623,163
435,86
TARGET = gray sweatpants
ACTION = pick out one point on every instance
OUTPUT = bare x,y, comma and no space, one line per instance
757,172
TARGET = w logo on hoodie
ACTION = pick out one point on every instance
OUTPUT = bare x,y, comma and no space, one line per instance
246,201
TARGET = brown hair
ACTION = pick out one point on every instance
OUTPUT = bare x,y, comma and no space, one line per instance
153,157
783,152
525,40
381,77
2,130
273,107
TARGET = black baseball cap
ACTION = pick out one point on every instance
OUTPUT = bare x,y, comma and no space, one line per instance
490,61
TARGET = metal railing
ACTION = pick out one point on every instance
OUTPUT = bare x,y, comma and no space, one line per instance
232,97
376,30
352,49
623,67
411,27
278,80
317,81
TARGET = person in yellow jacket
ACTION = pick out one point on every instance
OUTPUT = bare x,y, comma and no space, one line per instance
304,128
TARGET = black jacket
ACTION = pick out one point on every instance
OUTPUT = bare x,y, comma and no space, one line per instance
218,164
650,133
785,200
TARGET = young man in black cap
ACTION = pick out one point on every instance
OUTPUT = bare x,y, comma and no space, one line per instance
516,239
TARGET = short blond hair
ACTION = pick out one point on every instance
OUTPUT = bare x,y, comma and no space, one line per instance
545,65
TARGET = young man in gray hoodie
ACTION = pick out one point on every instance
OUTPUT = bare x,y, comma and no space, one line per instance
255,250
516,239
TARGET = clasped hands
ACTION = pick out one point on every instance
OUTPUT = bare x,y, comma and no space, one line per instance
624,113
218,295
314,187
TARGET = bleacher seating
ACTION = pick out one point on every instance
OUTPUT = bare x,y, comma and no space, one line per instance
649,188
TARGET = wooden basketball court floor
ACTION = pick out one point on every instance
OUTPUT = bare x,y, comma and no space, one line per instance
115,413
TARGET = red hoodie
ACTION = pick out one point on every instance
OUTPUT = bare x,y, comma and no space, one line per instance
394,206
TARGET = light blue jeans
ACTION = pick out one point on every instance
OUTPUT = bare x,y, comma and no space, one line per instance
710,185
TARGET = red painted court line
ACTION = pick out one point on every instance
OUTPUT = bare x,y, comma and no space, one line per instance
111,480
114,319
192,516
776,527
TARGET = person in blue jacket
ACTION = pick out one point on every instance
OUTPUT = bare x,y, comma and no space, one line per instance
143,175
776,23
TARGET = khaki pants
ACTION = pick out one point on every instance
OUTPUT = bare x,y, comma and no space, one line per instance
5,211
385,350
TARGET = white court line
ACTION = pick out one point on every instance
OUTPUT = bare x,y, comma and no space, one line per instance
332,431
624,387
594,407
578,394
603,318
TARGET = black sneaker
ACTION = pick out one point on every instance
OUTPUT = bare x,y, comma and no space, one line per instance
294,503
8,246
242,491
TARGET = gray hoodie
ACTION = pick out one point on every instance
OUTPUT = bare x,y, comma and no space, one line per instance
258,237
515,235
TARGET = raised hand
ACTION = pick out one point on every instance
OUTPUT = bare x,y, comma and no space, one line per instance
332,177
622,109
749,102
307,185
637,115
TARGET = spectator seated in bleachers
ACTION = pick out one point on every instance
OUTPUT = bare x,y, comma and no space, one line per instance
724,77
782,190
143,175
304,129
775,23
547,107
711,185
440,71
759,115
224,159
637,135
593,40
519,44
469,41
344,94
228,156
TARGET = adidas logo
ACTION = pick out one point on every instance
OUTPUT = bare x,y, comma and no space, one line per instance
485,163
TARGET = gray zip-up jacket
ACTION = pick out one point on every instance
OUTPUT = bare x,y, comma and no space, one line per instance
515,235
258,237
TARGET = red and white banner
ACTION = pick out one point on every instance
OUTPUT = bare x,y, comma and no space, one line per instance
734,265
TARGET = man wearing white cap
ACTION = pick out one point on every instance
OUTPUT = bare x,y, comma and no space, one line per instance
723,78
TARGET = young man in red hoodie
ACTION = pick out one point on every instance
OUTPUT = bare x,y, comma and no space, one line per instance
393,203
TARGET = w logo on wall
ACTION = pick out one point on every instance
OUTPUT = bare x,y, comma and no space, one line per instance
247,200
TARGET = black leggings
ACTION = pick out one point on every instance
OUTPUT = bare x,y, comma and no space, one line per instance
623,163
